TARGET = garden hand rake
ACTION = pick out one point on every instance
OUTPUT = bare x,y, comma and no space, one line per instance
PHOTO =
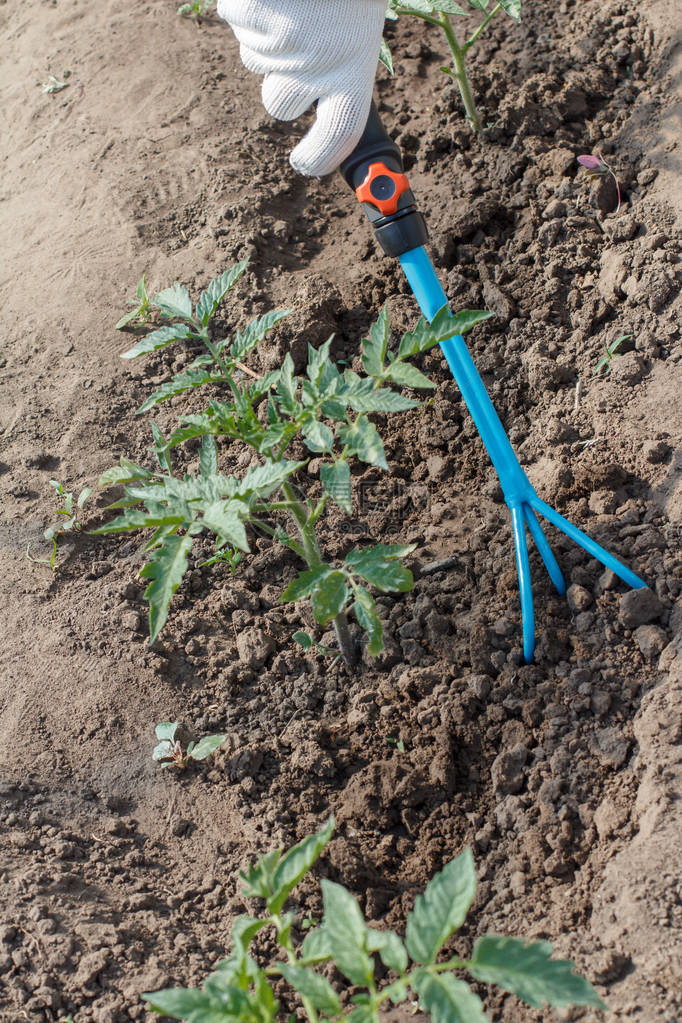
375,171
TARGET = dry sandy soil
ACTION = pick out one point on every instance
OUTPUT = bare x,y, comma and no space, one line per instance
564,777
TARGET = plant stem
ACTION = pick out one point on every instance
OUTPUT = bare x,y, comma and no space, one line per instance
311,552
460,72
470,42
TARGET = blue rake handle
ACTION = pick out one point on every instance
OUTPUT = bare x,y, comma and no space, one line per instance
519,494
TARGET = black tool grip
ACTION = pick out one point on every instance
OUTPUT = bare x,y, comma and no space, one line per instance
375,145
400,231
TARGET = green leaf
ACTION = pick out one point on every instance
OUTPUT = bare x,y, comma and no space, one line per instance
390,948
83,496
364,441
318,437
345,928
255,332
264,479
305,582
513,8
174,301
165,570
208,458
315,947
386,57
528,972
225,519
407,375
258,878
178,1002
209,744
164,751
178,384
303,639
210,299
380,566
442,909
336,481
166,730
374,347
381,399
160,338
329,597
448,1000
312,986
368,619
295,863
317,359
126,472
363,1014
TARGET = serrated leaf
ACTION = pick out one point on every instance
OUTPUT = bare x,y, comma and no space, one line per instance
178,384
386,57
447,6
209,744
161,449
448,1000
210,299
174,301
305,582
318,437
316,989
126,472
364,441
442,909
317,358
225,519
336,481
208,458
407,375
380,566
329,597
166,730
255,332
528,972
264,479
374,347
368,619
295,863
178,1002
345,928
258,877
165,569
381,399
512,7
160,338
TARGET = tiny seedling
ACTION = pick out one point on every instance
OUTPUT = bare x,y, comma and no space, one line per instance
53,84
597,167
610,353
241,989
398,743
69,522
141,306
170,753
307,641
325,414
197,9
438,13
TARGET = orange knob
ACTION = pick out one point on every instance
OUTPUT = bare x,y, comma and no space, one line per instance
382,188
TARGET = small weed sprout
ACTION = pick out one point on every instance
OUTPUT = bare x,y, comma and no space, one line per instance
53,84
439,13
170,753
197,9
141,306
610,353
69,523
326,413
240,989
597,167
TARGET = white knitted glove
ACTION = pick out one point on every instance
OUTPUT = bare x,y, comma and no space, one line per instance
324,50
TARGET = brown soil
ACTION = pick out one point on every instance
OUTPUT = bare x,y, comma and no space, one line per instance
565,776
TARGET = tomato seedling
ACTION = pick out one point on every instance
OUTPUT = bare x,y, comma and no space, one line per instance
325,413
170,753
69,522
610,353
240,989
439,13
141,306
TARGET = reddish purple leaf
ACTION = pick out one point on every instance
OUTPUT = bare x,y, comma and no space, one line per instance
591,162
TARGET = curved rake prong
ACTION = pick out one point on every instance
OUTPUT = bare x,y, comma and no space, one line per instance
587,543
525,584
544,550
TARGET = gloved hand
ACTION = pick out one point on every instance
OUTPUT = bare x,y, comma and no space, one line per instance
324,50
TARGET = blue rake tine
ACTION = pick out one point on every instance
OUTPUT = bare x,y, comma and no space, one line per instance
544,550
587,543
525,584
